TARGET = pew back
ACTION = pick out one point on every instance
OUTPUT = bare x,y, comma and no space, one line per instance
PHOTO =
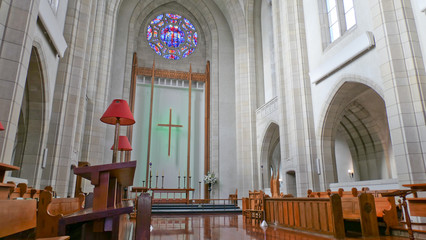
17,216
321,215
417,207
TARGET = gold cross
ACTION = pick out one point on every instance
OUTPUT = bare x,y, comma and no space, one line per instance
170,125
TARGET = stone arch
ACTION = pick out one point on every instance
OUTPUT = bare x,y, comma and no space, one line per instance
355,120
31,132
268,153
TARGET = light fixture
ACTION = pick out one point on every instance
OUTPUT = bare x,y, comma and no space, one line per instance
350,173
1,127
123,145
118,113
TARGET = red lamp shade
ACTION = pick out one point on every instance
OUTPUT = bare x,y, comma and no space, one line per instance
123,144
1,127
119,109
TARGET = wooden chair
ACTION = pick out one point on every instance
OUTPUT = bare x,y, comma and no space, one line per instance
234,197
253,209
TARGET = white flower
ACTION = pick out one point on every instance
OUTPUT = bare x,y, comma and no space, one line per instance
210,178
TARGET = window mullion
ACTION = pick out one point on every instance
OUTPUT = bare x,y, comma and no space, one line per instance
341,15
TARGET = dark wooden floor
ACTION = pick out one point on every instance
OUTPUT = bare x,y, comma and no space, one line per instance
223,226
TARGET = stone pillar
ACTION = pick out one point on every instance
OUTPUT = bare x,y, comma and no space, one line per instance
67,96
297,135
404,82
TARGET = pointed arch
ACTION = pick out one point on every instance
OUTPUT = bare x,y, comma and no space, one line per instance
355,119
32,127
270,153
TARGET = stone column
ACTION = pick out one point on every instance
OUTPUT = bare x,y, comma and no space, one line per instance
297,135
67,96
404,85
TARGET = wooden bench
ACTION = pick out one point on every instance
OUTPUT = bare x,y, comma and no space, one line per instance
23,191
319,215
362,209
50,210
385,206
18,216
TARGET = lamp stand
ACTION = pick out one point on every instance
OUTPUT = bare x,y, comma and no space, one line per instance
121,156
114,153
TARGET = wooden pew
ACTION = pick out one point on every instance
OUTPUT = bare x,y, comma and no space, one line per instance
18,216
51,210
363,209
20,191
385,206
319,215
23,191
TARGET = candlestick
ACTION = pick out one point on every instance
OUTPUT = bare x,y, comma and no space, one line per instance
179,181
199,189
150,179
190,183
143,183
184,178
156,181
162,181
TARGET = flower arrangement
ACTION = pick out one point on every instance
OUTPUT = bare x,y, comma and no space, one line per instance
210,178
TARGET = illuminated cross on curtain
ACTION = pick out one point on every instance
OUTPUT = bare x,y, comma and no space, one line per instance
170,125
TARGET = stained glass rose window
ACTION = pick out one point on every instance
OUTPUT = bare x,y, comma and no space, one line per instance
172,36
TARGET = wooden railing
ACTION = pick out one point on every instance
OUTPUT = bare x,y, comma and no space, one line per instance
320,215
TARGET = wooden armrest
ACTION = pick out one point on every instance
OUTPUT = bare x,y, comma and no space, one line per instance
89,214
55,238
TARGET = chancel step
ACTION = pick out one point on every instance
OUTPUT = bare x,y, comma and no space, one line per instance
194,208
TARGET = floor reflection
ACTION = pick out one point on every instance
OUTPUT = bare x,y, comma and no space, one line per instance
230,226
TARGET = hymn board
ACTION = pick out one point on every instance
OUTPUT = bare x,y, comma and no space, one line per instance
179,75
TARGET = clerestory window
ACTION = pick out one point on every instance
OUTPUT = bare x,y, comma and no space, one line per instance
341,17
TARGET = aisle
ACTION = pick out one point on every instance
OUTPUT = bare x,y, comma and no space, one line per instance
222,226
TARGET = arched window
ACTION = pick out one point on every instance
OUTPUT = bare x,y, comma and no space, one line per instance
341,17
172,36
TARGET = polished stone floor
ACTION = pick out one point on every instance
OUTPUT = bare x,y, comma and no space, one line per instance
228,226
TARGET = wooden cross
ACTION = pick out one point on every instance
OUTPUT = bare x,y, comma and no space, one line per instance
170,125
